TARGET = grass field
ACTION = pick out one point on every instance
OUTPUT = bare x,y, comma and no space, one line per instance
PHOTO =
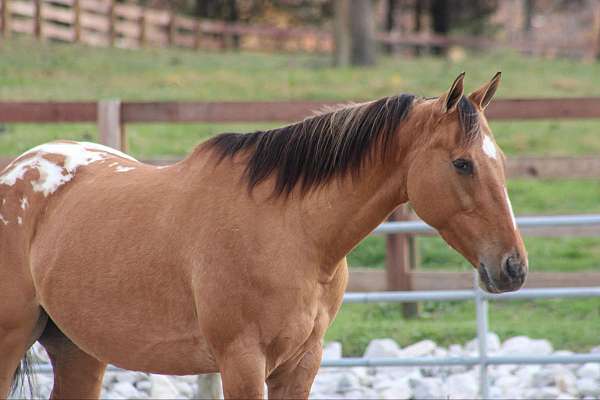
33,71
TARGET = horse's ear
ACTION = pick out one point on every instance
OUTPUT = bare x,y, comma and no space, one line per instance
451,98
483,96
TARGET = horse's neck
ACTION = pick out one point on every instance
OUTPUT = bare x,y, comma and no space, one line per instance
338,216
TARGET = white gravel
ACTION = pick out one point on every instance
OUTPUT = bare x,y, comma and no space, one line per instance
458,382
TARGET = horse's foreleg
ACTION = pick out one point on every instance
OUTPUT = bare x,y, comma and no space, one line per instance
294,379
242,373
77,375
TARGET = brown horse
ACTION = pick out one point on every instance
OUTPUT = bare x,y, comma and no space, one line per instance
233,260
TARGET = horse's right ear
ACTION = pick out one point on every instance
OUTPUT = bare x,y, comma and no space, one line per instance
451,98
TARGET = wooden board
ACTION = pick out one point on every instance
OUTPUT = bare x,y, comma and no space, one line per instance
58,14
564,108
41,112
95,22
295,110
374,280
219,111
555,167
53,31
20,25
22,8
131,12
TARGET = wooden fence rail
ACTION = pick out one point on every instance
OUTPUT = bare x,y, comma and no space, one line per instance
112,116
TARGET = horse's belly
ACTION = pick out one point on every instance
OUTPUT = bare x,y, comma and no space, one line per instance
133,337
138,316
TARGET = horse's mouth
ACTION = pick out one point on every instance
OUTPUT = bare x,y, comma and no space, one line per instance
486,279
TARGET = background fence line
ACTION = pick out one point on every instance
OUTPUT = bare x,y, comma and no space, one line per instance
130,25
112,116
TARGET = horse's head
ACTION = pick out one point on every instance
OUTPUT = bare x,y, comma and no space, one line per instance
457,184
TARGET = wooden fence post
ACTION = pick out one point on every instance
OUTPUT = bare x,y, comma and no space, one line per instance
76,21
37,19
596,37
197,34
111,131
112,33
171,28
398,261
142,23
5,18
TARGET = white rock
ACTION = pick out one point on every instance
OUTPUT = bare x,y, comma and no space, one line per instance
567,353
382,348
209,386
397,389
565,396
356,393
422,348
525,374
589,370
129,376
493,343
542,393
427,388
184,388
520,345
333,351
38,353
461,386
144,386
564,379
455,350
588,387
440,352
542,378
162,387
507,383
347,383
126,390
502,370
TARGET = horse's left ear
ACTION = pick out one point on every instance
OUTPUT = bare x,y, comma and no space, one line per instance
451,98
483,96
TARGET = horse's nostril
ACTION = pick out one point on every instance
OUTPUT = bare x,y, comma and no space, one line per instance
514,268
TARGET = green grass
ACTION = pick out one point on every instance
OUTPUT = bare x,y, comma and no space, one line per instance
572,326
33,71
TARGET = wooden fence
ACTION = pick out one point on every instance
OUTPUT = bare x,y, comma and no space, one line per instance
129,25
112,117
109,23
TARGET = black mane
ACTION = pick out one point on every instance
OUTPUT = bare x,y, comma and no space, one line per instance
311,152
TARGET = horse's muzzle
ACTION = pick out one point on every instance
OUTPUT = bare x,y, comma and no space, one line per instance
509,277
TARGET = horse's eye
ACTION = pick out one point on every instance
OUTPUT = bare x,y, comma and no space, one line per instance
464,167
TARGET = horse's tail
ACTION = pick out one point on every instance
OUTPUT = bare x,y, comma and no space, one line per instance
23,383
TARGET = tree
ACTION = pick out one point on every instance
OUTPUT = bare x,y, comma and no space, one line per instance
390,20
362,31
440,18
341,25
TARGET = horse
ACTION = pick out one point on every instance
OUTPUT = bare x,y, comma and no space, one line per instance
233,260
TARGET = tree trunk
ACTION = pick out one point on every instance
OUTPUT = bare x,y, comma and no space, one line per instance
440,17
362,29
207,8
341,33
390,22
528,6
418,24
232,16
